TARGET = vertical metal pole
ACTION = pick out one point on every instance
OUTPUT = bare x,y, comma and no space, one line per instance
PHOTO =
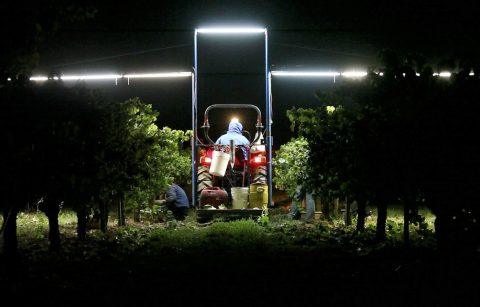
268,111
194,122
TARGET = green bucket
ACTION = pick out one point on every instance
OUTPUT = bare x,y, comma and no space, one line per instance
258,196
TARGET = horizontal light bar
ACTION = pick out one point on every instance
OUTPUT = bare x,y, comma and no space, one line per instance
306,73
346,74
90,77
38,78
354,74
230,30
443,74
159,75
114,76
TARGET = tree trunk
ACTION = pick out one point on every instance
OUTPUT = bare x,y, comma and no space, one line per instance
326,208
103,216
10,241
121,212
348,215
52,211
136,215
310,207
362,214
82,224
406,223
336,207
381,222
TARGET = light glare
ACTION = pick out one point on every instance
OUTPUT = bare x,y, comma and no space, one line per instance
354,74
38,78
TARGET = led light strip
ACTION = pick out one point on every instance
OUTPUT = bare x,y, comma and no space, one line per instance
159,75
306,73
181,74
230,30
114,76
354,74
91,77
38,78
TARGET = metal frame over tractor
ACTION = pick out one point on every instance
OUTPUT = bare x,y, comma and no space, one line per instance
233,180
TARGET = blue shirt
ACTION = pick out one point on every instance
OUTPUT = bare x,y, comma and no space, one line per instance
234,133
177,196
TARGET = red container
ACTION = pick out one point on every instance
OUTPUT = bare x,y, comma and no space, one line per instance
214,196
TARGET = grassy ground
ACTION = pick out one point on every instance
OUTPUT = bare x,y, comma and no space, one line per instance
278,262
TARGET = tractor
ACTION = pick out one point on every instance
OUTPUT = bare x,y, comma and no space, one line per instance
234,180
244,166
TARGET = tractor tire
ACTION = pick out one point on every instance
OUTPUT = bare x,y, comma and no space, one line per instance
260,175
204,179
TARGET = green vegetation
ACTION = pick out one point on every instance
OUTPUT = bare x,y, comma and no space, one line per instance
291,165
69,147
400,138
279,232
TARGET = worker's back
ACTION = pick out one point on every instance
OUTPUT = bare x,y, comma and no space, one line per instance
234,133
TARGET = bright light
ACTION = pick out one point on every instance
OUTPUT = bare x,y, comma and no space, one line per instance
354,74
228,30
38,78
159,75
235,120
90,77
330,109
417,74
9,79
115,76
443,74
471,74
306,73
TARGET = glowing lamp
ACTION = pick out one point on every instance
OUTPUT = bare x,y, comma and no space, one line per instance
354,74
230,30
159,75
38,78
306,73
90,77
258,160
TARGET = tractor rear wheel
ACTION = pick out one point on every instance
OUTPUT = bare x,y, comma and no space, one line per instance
205,179
260,175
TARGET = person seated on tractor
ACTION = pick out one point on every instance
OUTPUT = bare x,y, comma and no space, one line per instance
177,201
234,133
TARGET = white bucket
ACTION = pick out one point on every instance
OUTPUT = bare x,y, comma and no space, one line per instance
239,198
219,163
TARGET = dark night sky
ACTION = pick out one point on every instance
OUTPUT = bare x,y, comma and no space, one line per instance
338,35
